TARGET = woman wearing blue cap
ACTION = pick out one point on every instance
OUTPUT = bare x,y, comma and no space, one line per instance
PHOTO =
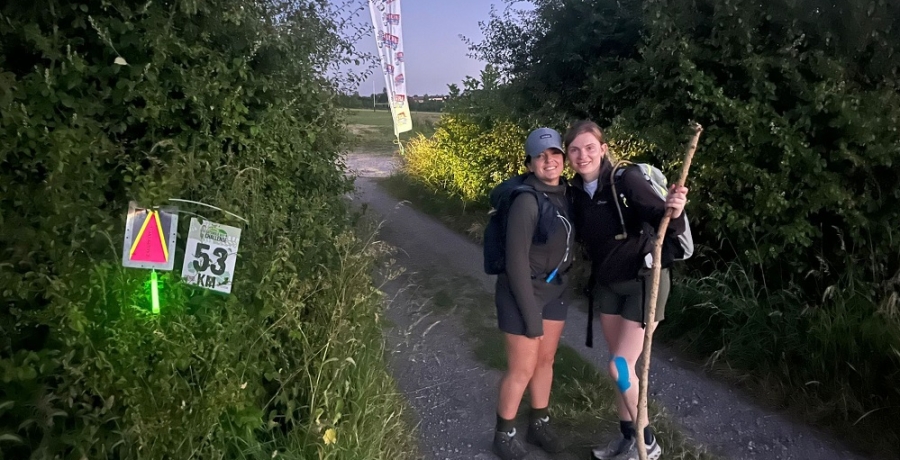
528,296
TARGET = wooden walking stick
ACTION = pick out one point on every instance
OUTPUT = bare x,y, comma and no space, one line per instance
643,419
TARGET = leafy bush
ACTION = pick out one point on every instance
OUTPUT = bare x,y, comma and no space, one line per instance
221,102
463,159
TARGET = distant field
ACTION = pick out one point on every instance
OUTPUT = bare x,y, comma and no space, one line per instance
374,131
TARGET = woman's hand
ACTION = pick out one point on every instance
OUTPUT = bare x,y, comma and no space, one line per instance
676,200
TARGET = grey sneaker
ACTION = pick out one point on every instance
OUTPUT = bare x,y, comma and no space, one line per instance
653,452
507,446
615,449
541,434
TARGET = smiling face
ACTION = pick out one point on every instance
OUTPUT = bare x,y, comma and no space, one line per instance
548,167
586,154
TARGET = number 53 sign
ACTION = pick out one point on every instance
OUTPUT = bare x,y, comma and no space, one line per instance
210,255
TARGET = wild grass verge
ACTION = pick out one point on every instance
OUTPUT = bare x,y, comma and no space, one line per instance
835,363
298,374
466,219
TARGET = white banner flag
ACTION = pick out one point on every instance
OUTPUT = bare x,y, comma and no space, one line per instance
389,39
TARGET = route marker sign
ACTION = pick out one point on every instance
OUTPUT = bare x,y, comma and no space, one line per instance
150,237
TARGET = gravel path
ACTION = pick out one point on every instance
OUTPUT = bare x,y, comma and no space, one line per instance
454,394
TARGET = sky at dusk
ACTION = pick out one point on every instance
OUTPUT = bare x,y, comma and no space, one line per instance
435,54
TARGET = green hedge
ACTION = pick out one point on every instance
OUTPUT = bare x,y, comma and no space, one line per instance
222,102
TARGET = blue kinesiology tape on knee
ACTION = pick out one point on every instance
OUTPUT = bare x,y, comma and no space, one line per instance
622,369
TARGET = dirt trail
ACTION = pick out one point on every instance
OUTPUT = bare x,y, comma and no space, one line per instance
454,394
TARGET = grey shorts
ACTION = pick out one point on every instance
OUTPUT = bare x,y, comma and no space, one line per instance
509,317
630,299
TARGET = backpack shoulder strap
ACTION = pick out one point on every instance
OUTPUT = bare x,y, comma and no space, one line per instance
518,190
505,189
546,210
617,171
503,199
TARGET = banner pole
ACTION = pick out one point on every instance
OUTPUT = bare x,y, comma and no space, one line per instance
386,21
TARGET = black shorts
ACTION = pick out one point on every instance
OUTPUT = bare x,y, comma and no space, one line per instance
631,299
509,317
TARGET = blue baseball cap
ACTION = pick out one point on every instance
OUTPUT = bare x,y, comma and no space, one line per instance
542,139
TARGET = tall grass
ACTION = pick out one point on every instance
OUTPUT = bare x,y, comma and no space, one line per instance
328,337
836,360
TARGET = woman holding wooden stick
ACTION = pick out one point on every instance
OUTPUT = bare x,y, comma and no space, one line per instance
620,265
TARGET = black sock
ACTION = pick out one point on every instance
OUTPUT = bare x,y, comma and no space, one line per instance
627,428
505,425
648,435
540,413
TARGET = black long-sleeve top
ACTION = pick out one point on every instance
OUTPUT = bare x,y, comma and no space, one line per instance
597,223
527,264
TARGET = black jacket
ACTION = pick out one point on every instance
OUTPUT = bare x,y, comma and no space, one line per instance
597,223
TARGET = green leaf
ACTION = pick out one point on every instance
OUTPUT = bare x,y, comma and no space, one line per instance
9,437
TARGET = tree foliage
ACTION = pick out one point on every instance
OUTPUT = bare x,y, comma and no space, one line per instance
788,91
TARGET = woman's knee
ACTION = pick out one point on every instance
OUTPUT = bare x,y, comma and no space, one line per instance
546,360
620,371
519,376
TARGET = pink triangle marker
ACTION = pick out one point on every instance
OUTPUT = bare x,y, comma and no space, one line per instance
151,246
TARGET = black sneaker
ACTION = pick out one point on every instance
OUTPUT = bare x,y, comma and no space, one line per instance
541,434
507,446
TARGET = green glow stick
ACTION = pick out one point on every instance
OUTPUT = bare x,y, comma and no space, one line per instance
154,292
